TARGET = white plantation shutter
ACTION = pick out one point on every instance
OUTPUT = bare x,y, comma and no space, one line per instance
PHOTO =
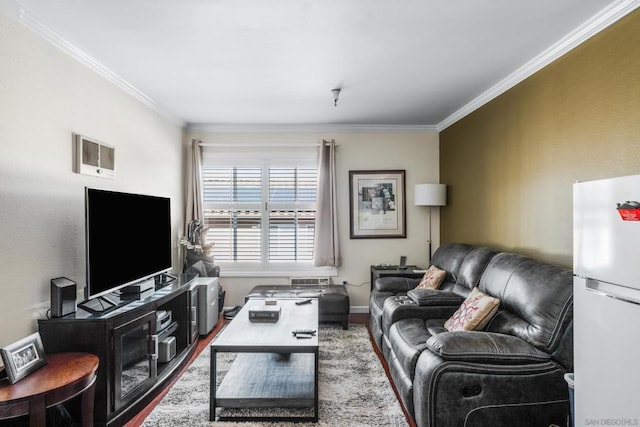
261,211
232,200
230,185
293,185
236,234
291,235
292,196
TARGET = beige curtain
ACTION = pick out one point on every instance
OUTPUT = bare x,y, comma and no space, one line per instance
193,206
326,251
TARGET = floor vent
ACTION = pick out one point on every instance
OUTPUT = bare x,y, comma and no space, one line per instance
310,281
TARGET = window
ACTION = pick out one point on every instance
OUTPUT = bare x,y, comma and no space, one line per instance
261,211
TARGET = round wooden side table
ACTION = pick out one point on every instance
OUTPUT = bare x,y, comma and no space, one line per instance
65,375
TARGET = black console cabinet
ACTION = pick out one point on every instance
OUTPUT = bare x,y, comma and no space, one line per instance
132,344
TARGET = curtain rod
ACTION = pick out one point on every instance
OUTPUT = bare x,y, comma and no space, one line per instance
253,144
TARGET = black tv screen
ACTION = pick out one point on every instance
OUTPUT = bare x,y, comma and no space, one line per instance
128,239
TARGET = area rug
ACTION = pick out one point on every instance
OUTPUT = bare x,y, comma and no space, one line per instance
353,387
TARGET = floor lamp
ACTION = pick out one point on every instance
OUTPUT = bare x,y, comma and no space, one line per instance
429,195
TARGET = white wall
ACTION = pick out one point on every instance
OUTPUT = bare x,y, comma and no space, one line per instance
45,97
416,153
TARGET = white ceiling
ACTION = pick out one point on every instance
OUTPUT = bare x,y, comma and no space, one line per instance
421,63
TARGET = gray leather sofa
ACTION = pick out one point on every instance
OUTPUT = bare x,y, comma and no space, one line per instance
449,257
509,373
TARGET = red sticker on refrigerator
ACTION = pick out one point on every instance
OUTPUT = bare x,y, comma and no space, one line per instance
629,211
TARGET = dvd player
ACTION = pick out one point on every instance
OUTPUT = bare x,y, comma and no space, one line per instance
163,319
266,314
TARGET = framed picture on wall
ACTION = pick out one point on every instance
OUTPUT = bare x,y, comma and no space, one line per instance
377,204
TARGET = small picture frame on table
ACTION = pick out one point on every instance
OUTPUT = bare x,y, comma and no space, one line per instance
23,357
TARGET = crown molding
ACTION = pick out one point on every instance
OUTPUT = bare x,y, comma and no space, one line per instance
593,26
23,17
596,24
307,128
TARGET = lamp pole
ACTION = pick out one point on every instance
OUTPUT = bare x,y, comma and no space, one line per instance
429,236
429,195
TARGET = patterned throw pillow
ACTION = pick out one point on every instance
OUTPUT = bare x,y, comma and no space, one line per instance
432,278
474,313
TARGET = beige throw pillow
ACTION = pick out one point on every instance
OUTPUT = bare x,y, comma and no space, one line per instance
432,278
474,313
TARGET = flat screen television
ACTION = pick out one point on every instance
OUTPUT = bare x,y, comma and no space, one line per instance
128,239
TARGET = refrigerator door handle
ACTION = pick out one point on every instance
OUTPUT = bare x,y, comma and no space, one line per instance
620,293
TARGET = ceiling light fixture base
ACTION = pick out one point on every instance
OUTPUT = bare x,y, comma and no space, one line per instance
336,94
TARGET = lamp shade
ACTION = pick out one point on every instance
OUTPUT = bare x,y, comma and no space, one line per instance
430,194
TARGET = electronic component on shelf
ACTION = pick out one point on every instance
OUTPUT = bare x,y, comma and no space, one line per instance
163,319
148,285
264,314
167,349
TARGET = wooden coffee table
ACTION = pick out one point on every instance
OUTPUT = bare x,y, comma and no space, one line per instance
273,368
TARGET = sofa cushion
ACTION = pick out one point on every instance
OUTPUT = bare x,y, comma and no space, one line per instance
464,267
449,256
376,302
435,326
536,299
488,347
474,312
473,266
432,278
407,339
424,297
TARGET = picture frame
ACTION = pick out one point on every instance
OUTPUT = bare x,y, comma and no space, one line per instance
377,204
23,357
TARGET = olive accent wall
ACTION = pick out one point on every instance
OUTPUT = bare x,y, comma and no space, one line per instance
510,165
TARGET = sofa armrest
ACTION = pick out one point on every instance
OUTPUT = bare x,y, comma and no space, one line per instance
489,347
395,284
424,297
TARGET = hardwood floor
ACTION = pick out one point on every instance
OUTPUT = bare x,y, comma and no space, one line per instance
361,318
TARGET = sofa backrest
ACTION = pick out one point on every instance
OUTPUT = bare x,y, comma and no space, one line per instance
464,265
536,299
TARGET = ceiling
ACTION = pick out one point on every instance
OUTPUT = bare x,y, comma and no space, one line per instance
399,63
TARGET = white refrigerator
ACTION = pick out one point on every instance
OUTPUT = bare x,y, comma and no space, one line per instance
606,260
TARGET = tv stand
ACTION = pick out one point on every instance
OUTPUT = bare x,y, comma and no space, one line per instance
125,337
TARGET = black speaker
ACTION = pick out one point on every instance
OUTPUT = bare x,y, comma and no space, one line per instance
63,297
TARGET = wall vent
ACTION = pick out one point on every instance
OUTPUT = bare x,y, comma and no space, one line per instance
309,281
